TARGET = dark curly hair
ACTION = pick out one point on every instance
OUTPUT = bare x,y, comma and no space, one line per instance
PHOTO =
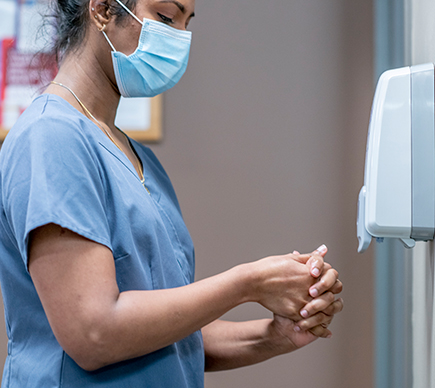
70,20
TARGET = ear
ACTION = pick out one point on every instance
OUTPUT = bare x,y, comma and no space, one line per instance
99,13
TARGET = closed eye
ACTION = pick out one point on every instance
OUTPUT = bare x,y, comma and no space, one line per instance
165,19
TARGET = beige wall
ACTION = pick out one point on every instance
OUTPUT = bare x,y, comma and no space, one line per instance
265,141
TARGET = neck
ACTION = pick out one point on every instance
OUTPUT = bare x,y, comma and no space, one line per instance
84,75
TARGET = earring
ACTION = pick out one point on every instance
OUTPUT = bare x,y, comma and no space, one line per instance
93,9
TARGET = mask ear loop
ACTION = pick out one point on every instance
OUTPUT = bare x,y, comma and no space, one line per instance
107,38
131,13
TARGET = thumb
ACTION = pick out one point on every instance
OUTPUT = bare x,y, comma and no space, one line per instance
315,263
322,250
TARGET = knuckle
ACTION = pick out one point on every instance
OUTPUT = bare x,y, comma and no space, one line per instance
323,331
325,334
330,297
319,318
317,331
324,302
335,308
315,306
332,311
319,259
311,322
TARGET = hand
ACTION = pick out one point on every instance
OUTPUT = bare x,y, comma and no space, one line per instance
329,275
327,282
326,286
319,312
288,335
285,336
316,267
321,309
318,323
323,292
281,283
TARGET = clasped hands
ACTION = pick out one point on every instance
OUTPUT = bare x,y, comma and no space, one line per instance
317,314
301,289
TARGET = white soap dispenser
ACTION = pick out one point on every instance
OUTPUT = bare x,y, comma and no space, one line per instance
398,196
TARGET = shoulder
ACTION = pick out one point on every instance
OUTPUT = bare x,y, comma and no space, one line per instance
50,141
49,116
49,126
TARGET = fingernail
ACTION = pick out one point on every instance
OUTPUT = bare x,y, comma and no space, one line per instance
304,313
321,249
314,292
316,272
297,329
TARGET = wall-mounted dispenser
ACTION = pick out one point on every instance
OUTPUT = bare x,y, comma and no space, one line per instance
398,196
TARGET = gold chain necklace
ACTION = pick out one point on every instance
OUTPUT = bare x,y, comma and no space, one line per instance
141,176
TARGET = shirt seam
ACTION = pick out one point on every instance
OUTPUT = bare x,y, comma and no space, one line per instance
93,237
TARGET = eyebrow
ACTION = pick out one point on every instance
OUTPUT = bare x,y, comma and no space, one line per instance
179,5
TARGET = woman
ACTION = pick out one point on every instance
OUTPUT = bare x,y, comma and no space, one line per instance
97,266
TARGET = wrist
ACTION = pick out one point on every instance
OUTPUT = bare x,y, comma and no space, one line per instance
278,341
248,279
274,343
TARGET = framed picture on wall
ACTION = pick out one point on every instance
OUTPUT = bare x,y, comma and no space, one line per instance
26,68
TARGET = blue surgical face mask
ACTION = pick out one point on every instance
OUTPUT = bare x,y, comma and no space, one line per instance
158,63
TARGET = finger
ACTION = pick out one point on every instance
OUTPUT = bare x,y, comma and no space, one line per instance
321,331
322,250
315,320
327,280
316,261
326,267
300,257
334,308
319,304
319,252
337,287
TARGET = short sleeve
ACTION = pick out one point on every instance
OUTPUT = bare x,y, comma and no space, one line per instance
51,174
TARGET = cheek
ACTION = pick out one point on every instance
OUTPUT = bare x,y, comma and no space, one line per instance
127,38
131,47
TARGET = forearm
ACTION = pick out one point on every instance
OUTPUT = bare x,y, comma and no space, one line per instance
140,322
230,345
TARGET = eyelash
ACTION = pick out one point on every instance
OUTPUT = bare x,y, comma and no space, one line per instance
165,19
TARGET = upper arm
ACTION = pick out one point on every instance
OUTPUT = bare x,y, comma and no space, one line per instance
76,282
57,180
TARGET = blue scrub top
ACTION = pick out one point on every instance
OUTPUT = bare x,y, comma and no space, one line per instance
57,166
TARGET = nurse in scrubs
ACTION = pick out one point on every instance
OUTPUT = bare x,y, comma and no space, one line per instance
97,266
